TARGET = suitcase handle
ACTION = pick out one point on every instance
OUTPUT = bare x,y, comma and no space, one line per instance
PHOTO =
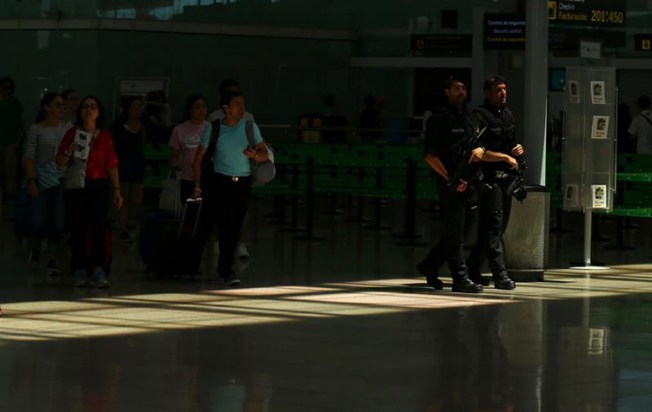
182,223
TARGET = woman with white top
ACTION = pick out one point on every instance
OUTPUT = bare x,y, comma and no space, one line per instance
43,180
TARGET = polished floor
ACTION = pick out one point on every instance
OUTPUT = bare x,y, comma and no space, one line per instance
337,324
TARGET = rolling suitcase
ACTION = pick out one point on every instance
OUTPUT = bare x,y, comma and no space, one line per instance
172,246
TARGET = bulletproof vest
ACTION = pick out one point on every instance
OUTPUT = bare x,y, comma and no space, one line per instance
501,128
461,128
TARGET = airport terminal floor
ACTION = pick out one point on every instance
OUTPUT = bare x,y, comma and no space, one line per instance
339,324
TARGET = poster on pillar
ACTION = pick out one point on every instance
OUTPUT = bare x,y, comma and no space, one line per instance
572,197
573,92
597,92
600,126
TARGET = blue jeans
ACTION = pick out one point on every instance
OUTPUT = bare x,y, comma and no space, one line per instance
48,216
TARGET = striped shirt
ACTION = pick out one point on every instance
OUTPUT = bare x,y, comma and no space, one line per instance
43,142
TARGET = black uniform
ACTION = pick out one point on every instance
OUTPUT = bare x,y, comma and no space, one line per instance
448,132
494,204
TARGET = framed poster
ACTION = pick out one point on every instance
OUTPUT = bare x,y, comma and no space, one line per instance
599,196
572,196
597,92
600,127
574,91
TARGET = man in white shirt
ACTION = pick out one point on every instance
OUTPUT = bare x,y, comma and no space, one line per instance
641,128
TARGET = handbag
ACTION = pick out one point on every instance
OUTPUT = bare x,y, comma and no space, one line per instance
170,189
263,172
48,175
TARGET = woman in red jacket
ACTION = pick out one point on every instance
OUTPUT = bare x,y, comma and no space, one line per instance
91,175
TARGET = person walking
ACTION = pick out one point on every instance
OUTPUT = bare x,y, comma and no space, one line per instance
129,138
449,148
226,184
498,167
185,140
92,165
43,179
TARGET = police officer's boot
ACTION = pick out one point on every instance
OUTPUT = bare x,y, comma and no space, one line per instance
478,278
503,281
434,282
432,278
465,285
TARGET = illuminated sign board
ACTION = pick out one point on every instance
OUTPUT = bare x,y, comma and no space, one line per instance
597,13
504,31
643,42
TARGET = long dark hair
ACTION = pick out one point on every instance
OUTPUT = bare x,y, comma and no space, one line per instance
99,123
190,101
45,100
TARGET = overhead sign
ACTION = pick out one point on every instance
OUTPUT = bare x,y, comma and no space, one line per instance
643,42
504,31
597,13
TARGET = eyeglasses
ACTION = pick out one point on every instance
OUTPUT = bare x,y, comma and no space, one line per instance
89,107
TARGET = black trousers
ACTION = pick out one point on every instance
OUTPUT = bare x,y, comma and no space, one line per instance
226,204
494,208
87,212
459,213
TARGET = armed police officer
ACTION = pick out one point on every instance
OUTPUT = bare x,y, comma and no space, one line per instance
452,149
500,167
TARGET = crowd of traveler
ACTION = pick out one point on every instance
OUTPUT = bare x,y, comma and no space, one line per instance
73,176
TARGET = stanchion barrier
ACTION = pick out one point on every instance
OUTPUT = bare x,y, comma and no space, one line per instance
409,226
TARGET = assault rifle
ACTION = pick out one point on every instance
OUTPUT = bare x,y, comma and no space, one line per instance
464,170
516,187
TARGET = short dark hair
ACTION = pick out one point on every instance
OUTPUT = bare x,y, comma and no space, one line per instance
452,79
493,81
190,101
643,102
228,84
228,96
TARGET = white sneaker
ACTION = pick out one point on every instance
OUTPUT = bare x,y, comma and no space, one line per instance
242,252
232,281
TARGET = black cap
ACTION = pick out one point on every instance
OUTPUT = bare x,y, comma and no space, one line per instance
493,81
452,79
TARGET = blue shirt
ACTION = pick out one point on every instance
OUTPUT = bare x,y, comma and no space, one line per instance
229,158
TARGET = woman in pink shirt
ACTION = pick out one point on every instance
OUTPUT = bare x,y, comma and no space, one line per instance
185,140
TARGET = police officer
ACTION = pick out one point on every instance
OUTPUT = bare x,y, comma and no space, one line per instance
498,166
449,148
